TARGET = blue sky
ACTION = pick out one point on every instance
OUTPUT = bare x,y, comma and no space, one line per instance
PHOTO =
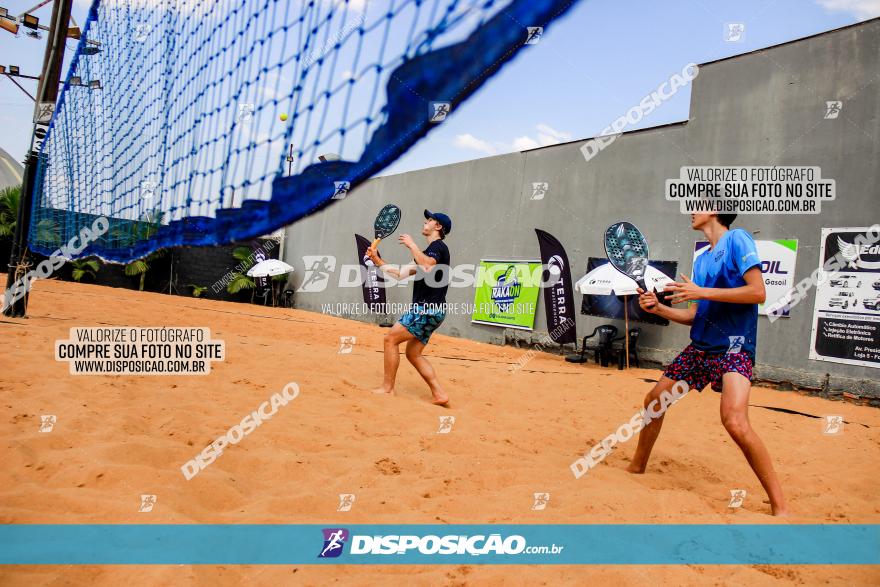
586,70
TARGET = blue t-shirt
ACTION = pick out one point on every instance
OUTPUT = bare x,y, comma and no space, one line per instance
722,327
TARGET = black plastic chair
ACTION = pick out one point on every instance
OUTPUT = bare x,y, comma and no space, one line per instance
604,337
287,298
261,296
618,349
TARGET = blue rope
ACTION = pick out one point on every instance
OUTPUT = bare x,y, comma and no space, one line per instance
183,144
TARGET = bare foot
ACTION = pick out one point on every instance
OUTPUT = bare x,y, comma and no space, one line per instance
384,391
782,512
440,400
635,469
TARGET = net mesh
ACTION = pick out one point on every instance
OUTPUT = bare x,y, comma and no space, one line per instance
199,122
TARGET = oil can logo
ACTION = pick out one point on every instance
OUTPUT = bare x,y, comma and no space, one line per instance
737,497
832,425
506,290
346,500
47,423
334,541
541,501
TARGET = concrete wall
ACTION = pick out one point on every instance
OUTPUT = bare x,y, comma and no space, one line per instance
761,108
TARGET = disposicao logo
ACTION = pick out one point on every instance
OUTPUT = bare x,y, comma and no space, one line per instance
334,541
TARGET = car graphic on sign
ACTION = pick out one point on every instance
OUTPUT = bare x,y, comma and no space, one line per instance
843,281
872,303
841,302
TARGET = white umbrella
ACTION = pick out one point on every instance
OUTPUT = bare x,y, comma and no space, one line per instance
605,280
269,267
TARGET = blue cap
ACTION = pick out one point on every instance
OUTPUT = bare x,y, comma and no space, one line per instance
442,218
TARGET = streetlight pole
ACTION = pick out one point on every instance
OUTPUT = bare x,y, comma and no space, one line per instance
47,91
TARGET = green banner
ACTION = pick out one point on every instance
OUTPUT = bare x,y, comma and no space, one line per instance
507,293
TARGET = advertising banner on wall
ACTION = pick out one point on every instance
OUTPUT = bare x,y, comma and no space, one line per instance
372,284
846,317
559,297
508,294
778,258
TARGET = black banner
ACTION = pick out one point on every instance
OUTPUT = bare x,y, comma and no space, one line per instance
373,290
558,298
612,306
259,254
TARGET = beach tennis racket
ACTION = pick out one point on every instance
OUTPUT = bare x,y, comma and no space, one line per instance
627,250
386,223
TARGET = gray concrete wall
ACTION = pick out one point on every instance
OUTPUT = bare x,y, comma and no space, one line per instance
761,108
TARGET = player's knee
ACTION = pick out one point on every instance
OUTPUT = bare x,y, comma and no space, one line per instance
736,423
654,395
389,339
412,353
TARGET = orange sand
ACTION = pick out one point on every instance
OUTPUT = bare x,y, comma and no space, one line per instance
515,434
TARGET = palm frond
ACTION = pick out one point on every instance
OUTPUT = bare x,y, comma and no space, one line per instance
240,282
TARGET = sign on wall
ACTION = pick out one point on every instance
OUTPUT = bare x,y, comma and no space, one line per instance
778,258
508,294
846,316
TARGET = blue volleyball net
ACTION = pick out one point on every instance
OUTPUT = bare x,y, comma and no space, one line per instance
204,122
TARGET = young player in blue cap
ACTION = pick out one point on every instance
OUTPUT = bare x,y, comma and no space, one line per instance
428,303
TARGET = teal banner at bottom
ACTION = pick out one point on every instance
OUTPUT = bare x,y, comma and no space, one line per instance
269,544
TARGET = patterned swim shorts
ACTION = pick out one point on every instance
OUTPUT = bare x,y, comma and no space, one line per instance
698,368
422,321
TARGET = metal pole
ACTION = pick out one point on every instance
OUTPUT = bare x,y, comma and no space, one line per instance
47,91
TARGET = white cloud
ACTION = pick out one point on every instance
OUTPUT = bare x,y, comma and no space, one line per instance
524,143
472,143
862,9
545,136
550,136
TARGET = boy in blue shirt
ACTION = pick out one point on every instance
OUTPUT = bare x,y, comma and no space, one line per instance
727,288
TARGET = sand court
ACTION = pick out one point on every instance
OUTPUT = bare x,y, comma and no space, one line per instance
515,433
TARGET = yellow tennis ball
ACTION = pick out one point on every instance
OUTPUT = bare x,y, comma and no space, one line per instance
283,117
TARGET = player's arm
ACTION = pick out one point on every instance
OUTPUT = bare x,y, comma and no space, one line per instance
752,292
398,272
401,272
649,303
421,259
